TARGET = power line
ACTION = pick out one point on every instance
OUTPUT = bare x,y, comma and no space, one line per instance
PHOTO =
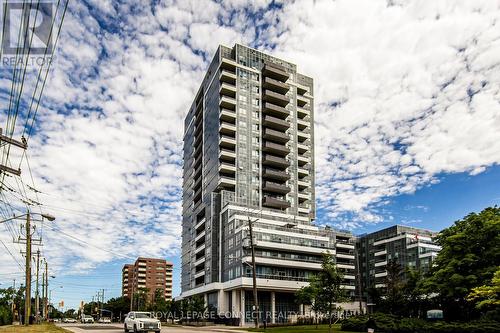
87,243
15,259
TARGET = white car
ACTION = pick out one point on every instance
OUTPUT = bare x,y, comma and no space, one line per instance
87,319
69,320
105,320
141,322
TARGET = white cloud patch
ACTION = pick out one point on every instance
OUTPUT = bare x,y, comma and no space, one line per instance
404,91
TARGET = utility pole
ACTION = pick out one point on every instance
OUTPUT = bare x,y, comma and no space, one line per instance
254,273
37,294
42,317
13,300
46,301
27,301
102,304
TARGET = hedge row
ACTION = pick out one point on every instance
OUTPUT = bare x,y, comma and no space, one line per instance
391,324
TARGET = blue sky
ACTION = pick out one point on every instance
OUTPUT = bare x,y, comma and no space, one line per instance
407,120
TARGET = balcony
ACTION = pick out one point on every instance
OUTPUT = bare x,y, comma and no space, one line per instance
275,85
275,148
227,168
275,123
303,210
301,113
270,173
227,115
228,77
197,194
275,202
275,71
227,155
275,98
197,171
227,103
199,261
302,172
302,148
200,236
200,224
302,124
270,134
227,89
301,90
302,160
275,110
227,141
228,64
302,100
227,128
303,184
304,196
274,161
200,248
302,136
226,182
275,187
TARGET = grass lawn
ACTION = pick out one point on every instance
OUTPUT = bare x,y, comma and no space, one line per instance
299,329
42,328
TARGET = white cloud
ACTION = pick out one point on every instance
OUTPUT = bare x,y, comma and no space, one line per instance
402,93
400,78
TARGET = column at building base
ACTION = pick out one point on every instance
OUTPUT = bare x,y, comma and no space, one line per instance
273,307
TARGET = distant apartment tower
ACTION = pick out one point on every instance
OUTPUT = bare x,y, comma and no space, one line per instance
249,157
147,274
410,247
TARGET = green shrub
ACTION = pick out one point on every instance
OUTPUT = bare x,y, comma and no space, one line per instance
391,324
5,316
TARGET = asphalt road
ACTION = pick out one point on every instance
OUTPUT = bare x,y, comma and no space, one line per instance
118,328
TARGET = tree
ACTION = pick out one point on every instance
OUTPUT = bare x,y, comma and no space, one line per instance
487,296
141,299
325,290
394,287
159,304
70,313
305,296
413,294
119,306
469,256
6,297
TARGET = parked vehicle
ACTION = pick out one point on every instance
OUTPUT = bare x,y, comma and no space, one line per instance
87,319
141,322
104,320
69,320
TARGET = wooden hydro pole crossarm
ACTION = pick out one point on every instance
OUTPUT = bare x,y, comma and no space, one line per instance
20,144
